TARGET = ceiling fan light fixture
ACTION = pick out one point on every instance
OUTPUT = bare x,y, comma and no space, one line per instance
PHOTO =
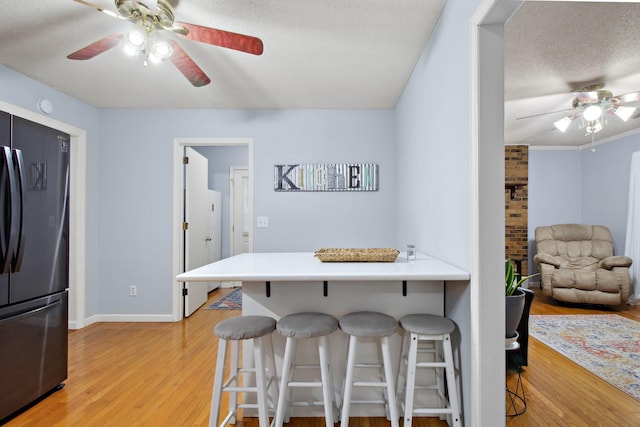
563,124
592,113
135,41
624,113
593,127
159,50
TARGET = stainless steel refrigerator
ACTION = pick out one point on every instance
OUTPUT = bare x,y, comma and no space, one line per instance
34,261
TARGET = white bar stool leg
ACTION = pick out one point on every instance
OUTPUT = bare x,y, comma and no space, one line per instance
388,373
263,415
451,381
234,376
327,380
402,368
217,383
285,393
410,379
348,381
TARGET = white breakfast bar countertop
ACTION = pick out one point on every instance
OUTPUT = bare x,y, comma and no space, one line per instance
290,266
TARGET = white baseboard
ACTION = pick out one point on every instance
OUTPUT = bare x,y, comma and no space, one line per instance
127,318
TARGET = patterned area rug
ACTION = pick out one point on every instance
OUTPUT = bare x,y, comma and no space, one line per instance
231,301
608,345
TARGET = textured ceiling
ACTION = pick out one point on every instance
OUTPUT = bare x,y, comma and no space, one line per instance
317,54
332,54
555,48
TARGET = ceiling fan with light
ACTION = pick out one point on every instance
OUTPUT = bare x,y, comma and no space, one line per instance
590,105
153,17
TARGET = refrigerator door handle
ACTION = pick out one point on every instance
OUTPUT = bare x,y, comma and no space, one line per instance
9,229
20,238
30,312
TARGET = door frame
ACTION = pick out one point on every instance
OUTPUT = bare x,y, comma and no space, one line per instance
232,210
77,209
178,201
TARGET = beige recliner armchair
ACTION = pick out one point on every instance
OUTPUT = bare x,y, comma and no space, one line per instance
577,265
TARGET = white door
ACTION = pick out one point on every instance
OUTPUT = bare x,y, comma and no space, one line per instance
196,211
214,230
240,221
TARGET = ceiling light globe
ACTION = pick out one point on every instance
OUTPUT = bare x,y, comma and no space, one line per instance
161,50
563,124
592,112
625,113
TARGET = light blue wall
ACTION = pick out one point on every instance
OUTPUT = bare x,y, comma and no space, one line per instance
434,172
220,160
23,92
605,186
136,181
129,185
571,186
555,195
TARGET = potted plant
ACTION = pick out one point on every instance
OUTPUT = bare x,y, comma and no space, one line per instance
514,303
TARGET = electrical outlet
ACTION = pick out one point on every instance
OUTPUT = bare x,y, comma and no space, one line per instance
133,291
263,222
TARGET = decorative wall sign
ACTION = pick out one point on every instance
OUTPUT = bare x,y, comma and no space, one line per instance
326,177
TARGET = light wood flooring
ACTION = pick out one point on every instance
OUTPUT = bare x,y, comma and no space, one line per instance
160,374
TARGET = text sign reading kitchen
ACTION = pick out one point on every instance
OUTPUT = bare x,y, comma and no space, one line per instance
328,177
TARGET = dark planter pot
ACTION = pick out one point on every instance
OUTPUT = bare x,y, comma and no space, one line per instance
514,306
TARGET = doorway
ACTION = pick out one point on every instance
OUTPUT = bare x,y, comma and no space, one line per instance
179,145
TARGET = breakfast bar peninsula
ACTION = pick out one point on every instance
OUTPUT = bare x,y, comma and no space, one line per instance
277,284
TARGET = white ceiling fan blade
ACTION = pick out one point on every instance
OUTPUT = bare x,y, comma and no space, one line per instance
587,96
100,9
544,114
628,97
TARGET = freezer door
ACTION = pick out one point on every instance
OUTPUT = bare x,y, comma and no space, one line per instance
5,140
34,350
40,260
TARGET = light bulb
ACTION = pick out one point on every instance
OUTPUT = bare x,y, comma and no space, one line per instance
135,41
592,112
160,50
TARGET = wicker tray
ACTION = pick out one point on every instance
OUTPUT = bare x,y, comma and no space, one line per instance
357,254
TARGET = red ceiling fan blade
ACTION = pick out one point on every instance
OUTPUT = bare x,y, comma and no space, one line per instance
221,38
187,66
96,48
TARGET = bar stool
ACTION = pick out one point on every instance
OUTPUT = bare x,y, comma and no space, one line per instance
367,324
435,331
302,326
258,329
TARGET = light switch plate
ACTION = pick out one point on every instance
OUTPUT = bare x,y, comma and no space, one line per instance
263,222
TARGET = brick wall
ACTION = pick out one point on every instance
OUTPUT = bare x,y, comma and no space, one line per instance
516,195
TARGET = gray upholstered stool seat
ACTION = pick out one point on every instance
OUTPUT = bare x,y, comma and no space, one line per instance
368,324
379,327
258,329
307,325
428,335
303,326
427,324
245,327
